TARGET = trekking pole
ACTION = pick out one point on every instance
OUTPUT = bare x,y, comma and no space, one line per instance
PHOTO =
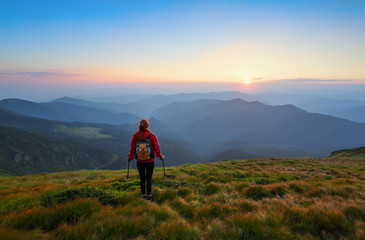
164,173
127,174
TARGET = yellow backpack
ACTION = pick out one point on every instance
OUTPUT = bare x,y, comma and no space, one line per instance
144,151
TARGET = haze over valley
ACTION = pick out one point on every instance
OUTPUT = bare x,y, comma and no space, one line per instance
78,133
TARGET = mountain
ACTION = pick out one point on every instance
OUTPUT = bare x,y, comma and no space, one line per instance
283,127
110,138
196,131
353,110
143,105
160,100
66,112
323,103
163,99
23,153
356,114
139,109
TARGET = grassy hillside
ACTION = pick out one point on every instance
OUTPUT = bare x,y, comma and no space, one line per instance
350,153
267,198
23,153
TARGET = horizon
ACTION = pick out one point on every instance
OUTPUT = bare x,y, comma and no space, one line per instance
59,49
334,89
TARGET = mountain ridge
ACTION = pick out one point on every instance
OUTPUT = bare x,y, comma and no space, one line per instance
66,112
285,127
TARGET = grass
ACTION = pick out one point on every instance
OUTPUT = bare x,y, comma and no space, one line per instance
83,132
268,198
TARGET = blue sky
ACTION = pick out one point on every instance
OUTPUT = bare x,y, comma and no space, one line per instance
69,43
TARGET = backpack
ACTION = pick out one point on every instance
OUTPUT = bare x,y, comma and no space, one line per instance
144,150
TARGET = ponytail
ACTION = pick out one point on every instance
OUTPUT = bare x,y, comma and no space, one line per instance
143,127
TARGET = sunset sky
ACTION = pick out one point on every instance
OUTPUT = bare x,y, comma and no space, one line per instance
74,44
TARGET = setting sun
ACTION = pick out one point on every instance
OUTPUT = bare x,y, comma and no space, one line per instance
247,81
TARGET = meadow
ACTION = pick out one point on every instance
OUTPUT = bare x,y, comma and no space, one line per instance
266,198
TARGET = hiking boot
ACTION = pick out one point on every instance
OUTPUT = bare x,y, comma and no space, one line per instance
149,198
143,196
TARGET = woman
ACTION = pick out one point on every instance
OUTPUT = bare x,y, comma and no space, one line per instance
144,147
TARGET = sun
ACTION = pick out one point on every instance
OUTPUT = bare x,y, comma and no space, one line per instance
247,81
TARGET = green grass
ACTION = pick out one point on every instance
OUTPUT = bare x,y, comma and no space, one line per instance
83,132
268,198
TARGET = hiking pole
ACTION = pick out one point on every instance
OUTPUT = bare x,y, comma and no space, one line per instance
164,173
127,174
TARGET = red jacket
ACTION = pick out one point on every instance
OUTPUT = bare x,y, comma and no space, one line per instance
154,143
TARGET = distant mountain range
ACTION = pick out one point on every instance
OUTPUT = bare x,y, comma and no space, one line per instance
349,109
135,108
111,140
67,112
208,122
162,99
336,105
189,131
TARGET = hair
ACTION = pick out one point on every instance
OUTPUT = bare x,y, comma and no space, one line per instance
143,127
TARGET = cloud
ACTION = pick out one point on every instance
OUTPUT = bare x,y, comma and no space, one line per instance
43,74
318,80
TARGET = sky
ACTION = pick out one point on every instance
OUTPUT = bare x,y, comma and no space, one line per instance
109,47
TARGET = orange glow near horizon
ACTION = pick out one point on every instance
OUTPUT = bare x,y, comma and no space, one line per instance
173,74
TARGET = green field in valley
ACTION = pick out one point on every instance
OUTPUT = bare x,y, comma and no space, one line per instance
83,132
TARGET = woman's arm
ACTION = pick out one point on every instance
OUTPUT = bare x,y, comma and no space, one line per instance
156,145
132,152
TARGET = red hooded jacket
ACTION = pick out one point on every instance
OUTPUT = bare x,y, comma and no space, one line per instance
154,143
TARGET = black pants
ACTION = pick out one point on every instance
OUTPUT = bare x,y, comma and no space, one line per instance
145,173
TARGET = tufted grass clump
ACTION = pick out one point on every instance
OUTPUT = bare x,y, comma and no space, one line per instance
184,192
107,225
122,186
247,206
327,224
16,204
165,195
354,213
8,233
105,197
211,188
213,210
316,192
278,190
184,210
256,192
176,230
50,218
248,227
296,187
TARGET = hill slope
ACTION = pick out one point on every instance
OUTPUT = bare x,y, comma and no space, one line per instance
110,138
267,198
352,153
27,153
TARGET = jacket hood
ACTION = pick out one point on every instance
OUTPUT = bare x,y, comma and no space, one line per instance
145,134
